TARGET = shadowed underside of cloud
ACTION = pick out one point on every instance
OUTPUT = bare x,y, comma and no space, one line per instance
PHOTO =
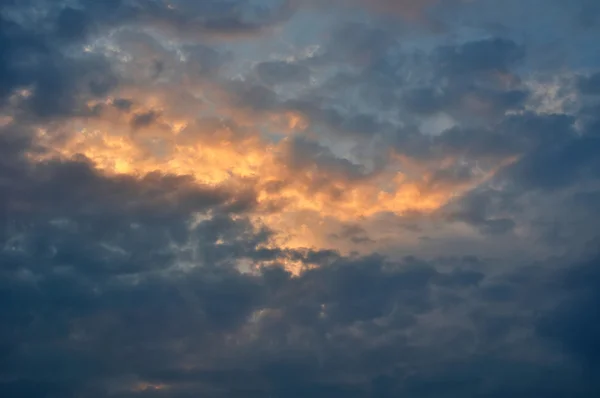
254,198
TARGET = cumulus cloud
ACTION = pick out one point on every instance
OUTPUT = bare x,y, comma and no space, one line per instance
283,198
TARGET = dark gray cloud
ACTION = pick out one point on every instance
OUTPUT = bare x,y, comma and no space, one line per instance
573,324
553,167
144,119
155,285
306,155
492,55
182,18
59,83
478,209
123,104
279,72
37,55
93,305
95,330
590,84
354,233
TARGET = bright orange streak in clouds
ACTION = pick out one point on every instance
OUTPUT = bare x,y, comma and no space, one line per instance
214,154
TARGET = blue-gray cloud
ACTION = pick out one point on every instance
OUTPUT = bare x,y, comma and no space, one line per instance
156,285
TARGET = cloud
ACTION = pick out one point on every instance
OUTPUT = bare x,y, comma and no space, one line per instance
51,83
277,72
589,84
480,56
572,324
279,198
408,9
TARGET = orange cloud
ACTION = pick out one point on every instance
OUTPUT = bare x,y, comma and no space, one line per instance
297,187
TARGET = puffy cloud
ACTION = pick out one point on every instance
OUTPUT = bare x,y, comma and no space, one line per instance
283,198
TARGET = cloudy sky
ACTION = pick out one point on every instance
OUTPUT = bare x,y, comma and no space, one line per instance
299,198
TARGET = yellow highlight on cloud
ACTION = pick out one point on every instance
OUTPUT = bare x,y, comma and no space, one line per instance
213,154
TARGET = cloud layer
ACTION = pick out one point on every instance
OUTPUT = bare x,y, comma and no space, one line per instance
284,198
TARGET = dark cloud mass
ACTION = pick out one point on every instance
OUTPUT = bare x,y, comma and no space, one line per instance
279,198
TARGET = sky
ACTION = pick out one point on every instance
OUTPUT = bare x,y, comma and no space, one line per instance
299,198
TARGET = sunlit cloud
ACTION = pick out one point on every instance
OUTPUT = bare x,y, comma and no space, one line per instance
275,198
286,176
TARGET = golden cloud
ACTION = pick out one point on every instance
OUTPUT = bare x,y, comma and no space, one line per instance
296,189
